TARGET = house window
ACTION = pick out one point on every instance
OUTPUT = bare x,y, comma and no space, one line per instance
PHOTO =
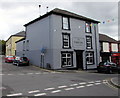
66,40
27,45
88,27
23,45
66,58
65,23
89,42
89,58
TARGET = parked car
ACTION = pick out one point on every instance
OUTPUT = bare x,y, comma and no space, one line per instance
21,61
9,59
108,67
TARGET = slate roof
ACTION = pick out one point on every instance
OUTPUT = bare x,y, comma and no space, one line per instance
19,34
105,38
22,33
65,13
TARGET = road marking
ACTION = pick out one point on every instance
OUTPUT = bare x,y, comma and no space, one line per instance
73,84
37,73
41,94
82,83
2,74
18,94
62,86
2,88
9,74
91,82
35,91
89,85
80,86
104,80
97,83
49,89
29,73
56,91
69,89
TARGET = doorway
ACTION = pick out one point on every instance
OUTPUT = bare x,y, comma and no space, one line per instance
79,59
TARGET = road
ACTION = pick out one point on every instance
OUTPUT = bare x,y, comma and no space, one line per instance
33,81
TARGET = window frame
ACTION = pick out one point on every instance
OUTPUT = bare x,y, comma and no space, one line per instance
68,19
89,23
90,57
63,41
66,57
91,47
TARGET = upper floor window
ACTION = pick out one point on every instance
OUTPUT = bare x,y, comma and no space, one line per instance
27,45
23,45
65,23
88,27
66,40
89,42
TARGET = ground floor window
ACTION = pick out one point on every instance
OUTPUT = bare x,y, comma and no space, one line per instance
67,59
89,58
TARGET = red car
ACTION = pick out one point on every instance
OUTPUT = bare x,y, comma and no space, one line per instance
9,59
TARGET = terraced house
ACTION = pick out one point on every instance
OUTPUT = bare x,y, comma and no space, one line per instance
11,45
60,40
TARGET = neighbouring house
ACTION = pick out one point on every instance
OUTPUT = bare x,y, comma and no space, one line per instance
61,40
11,45
109,49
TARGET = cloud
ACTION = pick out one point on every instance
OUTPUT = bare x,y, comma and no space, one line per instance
17,13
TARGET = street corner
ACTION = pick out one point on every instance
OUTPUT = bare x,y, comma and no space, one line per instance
115,82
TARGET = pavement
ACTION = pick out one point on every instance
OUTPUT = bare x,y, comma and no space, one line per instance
115,82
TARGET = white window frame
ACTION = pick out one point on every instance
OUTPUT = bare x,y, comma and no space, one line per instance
65,23
66,39
66,58
89,42
88,27
89,56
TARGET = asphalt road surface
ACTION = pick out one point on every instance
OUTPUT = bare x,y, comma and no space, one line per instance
33,81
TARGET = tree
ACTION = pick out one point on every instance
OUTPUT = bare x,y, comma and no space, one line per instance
2,47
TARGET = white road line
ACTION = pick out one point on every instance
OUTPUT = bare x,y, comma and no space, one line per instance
73,84
80,86
62,86
45,72
49,89
104,80
37,73
2,74
35,91
56,91
89,85
29,73
41,94
69,89
18,94
9,74
2,88
97,83
82,83
21,74
91,82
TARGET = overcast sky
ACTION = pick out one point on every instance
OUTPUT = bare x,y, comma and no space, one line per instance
15,13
